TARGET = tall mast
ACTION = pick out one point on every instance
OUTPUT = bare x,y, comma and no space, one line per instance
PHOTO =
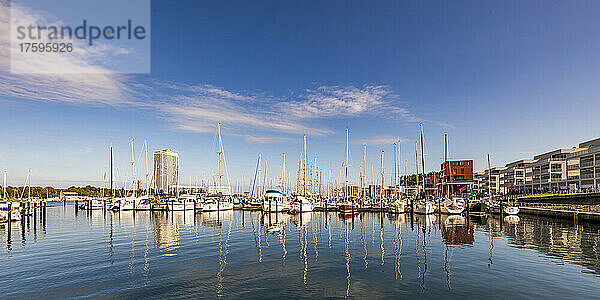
395,175
220,153
133,189
255,174
4,186
29,184
364,168
265,178
283,175
405,172
381,194
111,172
446,165
417,163
489,176
304,167
147,184
372,175
423,159
398,169
346,170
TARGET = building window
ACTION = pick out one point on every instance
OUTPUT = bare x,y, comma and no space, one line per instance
462,171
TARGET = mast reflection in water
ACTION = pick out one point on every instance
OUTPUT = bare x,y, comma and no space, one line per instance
239,254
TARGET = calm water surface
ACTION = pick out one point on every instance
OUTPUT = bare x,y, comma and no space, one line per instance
246,255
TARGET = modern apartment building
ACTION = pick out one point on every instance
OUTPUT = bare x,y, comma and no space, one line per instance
491,180
166,170
568,169
583,167
516,175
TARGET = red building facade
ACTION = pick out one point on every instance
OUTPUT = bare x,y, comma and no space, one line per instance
431,182
458,174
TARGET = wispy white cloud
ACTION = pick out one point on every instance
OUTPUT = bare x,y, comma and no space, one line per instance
349,101
42,76
257,117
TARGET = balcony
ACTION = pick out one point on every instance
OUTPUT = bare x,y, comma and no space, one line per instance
587,176
573,177
573,167
586,164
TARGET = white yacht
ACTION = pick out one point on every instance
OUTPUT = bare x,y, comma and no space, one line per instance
275,201
302,205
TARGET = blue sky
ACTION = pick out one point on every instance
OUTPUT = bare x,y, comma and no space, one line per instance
510,78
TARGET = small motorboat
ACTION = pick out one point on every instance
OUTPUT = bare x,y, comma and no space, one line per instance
511,210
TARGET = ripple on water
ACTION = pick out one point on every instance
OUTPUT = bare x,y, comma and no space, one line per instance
247,255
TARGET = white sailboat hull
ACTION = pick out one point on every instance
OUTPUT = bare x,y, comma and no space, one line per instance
275,207
303,207
181,206
217,207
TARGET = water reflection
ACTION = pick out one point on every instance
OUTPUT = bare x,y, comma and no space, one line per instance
305,254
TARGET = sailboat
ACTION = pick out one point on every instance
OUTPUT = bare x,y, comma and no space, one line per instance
451,205
301,204
398,206
222,192
347,207
14,211
424,205
182,203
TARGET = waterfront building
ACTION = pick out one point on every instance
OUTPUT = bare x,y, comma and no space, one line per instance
431,182
166,170
482,183
516,175
458,175
549,171
583,167
561,170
